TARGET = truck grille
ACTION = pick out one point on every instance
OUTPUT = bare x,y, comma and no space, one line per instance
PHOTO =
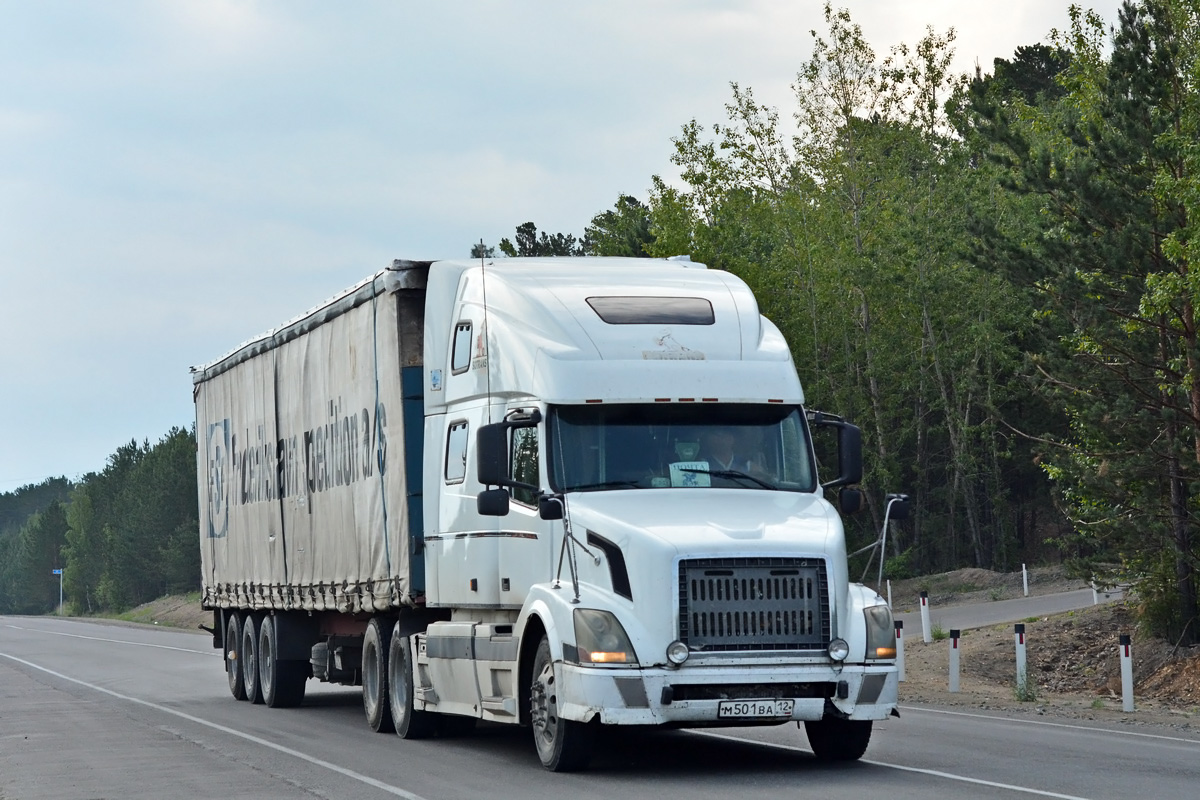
754,604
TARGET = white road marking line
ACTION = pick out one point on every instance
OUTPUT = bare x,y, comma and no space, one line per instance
114,641
385,787
1088,728
933,772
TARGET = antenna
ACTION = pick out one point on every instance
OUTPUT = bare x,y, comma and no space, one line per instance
484,333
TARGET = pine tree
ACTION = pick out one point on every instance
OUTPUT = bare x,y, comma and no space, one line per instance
1122,357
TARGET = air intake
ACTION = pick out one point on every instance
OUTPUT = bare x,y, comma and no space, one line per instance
754,604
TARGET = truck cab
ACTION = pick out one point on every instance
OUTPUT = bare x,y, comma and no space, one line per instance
626,522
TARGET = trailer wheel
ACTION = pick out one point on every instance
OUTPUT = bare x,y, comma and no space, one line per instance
409,722
834,739
233,666
249,657
281,683
563,745
375,652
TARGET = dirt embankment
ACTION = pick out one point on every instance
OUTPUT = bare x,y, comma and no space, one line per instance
1073,659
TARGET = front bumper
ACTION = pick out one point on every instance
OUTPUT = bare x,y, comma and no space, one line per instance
690,696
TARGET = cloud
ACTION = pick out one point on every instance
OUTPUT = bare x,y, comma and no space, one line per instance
180,176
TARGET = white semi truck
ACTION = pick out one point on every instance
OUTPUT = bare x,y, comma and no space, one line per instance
559,493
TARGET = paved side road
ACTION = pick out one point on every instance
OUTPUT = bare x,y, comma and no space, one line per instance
982,615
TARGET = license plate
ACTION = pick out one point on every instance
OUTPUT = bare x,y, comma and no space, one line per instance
752,709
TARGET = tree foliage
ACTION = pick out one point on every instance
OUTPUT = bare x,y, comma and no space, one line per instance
1106,262
481,250
623,230
122,536
848,227
531,243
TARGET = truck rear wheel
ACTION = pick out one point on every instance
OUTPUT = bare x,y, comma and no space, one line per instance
563,745
248,656
233,664
281,683
409,722
834,739
375,676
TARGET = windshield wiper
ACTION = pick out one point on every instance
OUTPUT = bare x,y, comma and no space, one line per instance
605,485
731,474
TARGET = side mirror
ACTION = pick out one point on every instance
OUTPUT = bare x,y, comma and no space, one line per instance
491,454
491,450
850,501
849,454
849,450
897,506
492,464
492,503
550,507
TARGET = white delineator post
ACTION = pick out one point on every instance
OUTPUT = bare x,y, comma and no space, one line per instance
954,651
1126,673
1025,579
900,648
1022,673
889,592
925,635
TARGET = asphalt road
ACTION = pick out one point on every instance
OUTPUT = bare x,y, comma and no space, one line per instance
982,615
90,710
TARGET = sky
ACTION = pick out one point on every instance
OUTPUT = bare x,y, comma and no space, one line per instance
177,176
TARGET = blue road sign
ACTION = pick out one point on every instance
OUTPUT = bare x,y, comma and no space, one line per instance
57,572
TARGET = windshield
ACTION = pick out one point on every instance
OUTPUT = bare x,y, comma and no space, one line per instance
729,446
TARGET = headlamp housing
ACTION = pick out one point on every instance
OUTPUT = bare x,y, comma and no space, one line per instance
601,639
881,632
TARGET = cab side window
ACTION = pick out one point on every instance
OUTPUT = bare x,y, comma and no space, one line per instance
456,452
524,464
460,358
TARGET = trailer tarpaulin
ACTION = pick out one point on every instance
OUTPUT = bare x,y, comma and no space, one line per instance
301,447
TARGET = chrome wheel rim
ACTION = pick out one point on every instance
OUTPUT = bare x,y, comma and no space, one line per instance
543,707
371,674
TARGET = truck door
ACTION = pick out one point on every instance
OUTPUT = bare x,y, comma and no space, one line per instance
526,548
462,552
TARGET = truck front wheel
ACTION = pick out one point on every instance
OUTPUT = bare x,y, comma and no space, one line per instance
409,722
834,739
563,745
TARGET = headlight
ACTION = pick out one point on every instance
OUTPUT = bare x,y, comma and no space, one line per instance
677,652
601,639
881,632
839,649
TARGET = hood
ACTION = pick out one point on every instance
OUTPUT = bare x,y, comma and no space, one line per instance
713,521
639,537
